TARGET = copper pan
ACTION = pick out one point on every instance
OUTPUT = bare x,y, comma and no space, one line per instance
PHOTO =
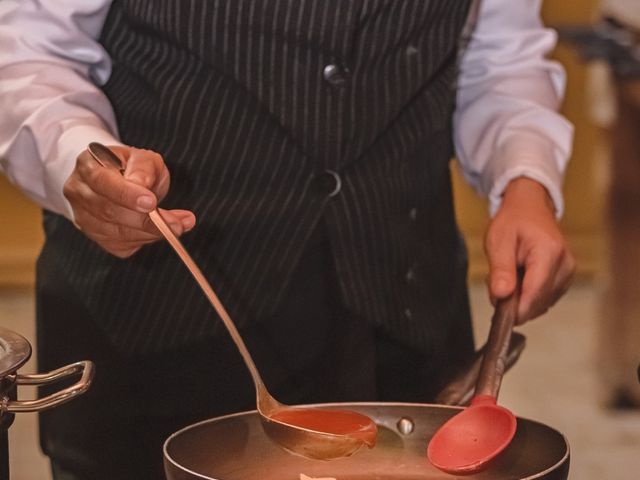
235,447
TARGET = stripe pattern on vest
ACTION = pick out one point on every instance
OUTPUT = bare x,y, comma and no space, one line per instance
251,102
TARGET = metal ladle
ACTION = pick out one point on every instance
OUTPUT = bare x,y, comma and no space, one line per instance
308,442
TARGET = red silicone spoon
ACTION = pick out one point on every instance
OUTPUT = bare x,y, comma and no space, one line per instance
469,440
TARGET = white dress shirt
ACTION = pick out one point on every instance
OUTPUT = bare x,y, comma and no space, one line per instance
51,66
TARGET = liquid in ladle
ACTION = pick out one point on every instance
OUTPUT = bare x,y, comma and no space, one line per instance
336,422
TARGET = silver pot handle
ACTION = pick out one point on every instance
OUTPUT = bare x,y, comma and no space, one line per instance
86,368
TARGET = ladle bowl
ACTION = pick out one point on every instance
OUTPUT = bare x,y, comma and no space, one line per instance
468,441
316,444
301,438
296,438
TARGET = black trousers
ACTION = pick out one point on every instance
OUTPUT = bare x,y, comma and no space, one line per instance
311,350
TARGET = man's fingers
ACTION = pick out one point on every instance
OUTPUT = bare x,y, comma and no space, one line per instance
185,218
501,251
104,209
114,232
564,277
113,210
147,168
111,185
536,286
179,220
103,212
130,227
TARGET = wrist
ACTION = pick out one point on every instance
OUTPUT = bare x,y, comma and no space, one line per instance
528,191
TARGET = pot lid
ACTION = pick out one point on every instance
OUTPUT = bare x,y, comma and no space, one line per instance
15,350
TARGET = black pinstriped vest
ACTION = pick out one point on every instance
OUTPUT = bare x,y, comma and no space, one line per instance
274,115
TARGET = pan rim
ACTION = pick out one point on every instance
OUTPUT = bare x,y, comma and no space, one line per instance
15,351
362,404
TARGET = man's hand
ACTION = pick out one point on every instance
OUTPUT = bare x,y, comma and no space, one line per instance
112,210
525,233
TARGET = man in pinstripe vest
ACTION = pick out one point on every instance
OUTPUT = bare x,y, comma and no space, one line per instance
311,140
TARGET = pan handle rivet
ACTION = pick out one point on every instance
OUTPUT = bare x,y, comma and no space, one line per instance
405,425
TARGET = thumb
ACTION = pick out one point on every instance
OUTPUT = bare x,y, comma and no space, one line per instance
502,265
147,168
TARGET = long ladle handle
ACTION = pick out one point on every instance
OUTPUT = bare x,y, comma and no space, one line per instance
497,347
159,222
105,157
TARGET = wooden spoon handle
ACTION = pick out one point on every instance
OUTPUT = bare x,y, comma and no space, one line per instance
494,361
461,388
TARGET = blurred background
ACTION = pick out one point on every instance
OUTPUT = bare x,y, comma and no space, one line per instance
578,372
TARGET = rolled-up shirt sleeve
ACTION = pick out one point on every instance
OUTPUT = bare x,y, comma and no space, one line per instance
50,66
506,123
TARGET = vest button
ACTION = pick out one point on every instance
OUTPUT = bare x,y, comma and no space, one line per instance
412,51
336,75
329,183
413,213
410,276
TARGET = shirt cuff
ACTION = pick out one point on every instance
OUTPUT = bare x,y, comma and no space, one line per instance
526,155
70,144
